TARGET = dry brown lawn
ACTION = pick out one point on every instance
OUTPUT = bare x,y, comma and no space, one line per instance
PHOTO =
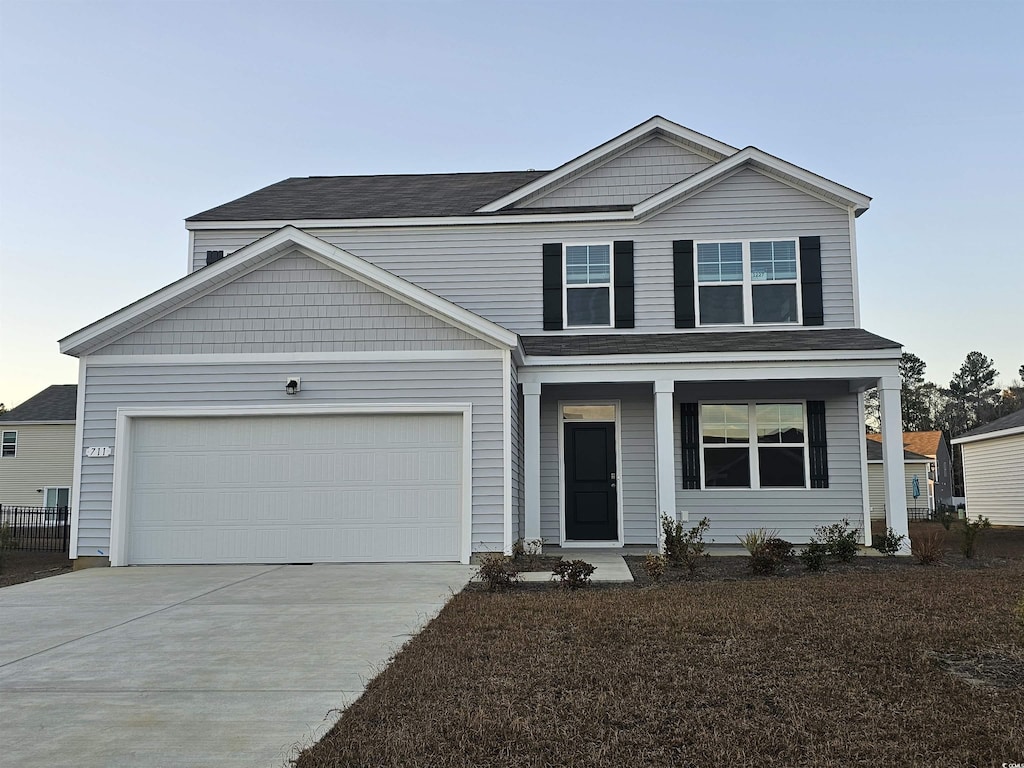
837,669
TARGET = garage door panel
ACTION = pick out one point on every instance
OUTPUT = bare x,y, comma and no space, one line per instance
295,489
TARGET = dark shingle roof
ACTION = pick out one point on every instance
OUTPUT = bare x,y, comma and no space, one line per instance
1015,419
371,197
841,339
875,452
57,402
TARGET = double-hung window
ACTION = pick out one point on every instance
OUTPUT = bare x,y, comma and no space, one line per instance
748,282
9,447
754,445
588,293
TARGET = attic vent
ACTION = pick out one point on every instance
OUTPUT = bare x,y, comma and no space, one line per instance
212,256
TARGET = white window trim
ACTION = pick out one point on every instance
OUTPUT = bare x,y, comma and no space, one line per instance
747,283
8,432
610,284
48,488
752,446
574,543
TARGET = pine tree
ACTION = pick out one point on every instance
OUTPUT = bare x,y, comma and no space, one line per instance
972,394
916,395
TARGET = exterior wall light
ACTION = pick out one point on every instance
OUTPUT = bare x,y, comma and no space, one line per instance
292,385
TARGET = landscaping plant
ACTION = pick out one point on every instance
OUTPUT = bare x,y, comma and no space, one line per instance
841,541
682,546
929,547
947,514
6,541
573,574
497,571
813,555
767,550
655,566
889,543
970,530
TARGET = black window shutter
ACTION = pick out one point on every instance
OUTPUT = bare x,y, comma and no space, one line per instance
817,443
810,280
212,256
689,438
552,286
682,270
624,310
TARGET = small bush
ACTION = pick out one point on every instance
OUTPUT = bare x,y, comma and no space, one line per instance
682,546
573,574
767,550
841,541
929,547
655,566
497,571
813,555
946,515
527,550
889,543
970,530
6,540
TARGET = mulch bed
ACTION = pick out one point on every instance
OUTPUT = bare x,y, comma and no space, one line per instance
840,669
17,567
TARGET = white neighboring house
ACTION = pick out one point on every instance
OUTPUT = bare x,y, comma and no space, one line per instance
914,466
37,456
422,367
993,458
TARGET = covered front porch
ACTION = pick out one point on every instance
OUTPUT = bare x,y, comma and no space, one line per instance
610,447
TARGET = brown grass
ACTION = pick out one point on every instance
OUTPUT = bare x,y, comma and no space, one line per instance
829,670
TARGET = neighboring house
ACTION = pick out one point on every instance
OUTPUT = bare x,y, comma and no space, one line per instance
37,456
914,466
994,470
940,468
389,368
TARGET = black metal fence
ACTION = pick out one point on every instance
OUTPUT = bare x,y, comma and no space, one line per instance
39,529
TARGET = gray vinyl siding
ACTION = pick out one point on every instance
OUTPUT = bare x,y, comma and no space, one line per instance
294,304
629,178
994,479
517,456
495,270
793,512
636,464
479,382
45,458
876,487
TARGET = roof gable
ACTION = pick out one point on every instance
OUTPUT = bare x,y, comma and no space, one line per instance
58,402
268,248
1011,424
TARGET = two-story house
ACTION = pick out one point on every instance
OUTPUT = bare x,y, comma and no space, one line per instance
389,368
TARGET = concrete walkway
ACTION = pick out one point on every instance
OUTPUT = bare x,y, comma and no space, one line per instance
608,565
211,666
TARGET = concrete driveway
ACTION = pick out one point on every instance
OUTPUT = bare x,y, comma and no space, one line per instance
228,665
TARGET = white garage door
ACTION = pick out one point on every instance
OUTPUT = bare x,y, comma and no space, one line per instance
295,489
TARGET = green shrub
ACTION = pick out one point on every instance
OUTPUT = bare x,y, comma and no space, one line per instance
497,571
946,515
841,541
929,547
889,543
655,566
813,555
527,550
767,550
573,574
970,530
682,546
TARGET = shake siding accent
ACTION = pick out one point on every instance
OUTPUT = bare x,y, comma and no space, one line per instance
294,304
46,457
111,386
635,465
495,270
629,178
994,479
876,487
794,512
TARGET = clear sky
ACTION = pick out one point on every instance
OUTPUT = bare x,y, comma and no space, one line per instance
118,120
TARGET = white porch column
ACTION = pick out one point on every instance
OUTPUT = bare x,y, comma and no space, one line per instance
531,460
892,459
664,450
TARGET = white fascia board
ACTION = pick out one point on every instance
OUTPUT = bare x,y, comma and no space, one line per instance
596,155
711,358
1009,431
44,422
285,358
750,155
278,242
416,221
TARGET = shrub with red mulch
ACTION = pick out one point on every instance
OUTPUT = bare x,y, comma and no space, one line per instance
850,669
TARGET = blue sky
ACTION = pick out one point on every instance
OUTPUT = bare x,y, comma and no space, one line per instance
118,120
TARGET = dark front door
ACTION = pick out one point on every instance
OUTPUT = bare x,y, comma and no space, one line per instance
591,506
